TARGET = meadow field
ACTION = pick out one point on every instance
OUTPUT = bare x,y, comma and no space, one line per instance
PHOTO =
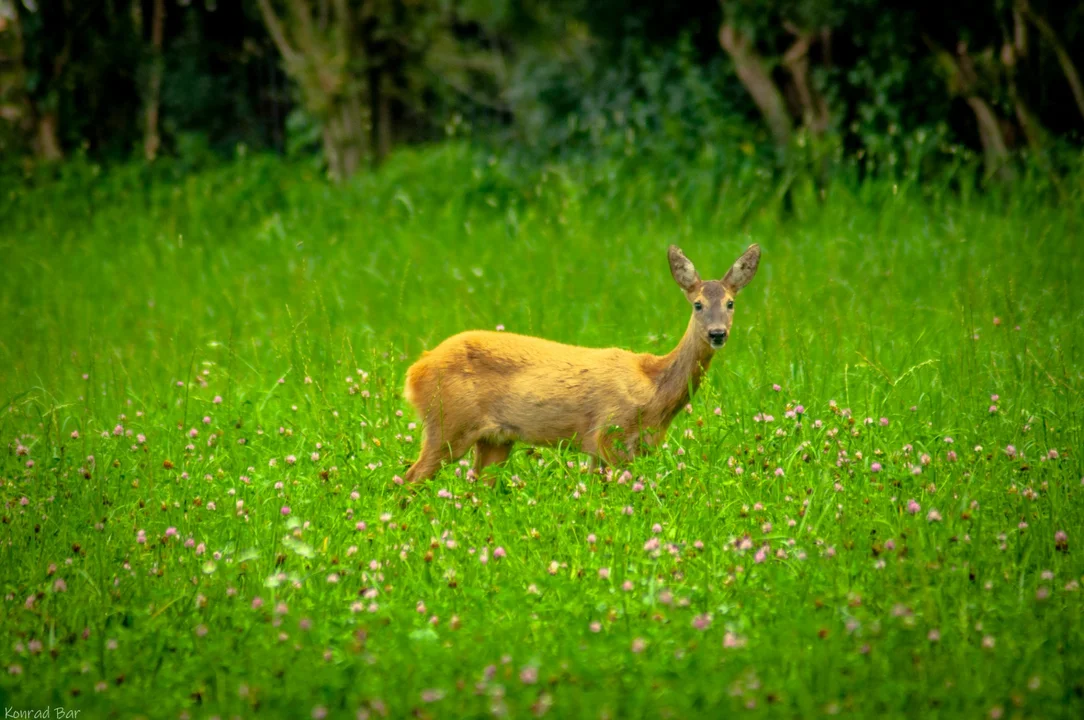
872,508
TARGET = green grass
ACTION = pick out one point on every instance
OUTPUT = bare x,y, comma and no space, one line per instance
131,309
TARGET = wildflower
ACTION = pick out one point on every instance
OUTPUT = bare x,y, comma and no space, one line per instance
900,610
604,573
732,640
875,467
285,510
1010,451
432,695
291,459
884,422
776,387
988,642
913,507
933,516
528,675
639,645
596,627
934,635
498,553
702,622
1061,541
779,472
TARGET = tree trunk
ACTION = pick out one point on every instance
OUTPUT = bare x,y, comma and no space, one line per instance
344,134
758,81
318,60
815,114
47,137
151,139
380,115
993,140
16,111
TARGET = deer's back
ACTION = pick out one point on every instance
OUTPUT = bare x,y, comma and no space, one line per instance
529,388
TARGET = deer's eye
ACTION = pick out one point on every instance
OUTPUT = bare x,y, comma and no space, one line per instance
729,304
698,305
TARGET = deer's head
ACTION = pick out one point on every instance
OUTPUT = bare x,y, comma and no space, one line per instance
713,300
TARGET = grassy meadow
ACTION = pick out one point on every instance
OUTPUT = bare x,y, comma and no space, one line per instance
873,506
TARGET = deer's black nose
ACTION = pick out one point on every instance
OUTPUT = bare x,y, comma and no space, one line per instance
717,336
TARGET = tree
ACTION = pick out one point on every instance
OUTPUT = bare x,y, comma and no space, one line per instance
16,112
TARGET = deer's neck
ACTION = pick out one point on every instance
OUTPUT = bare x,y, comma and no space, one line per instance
677,374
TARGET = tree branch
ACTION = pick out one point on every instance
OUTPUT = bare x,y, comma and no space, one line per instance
1066,62
274,29
758,81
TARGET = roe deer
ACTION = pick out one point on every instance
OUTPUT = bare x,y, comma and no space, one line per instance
490,389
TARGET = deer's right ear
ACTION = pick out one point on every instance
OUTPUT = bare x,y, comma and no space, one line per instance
683,271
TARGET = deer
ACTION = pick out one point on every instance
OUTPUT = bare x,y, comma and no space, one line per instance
489,390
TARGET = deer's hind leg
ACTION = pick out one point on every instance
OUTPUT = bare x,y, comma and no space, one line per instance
489,452
614,448
437,450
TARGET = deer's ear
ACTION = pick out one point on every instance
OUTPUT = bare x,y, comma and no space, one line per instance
683,271
743,270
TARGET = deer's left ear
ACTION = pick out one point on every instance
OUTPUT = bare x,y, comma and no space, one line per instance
743,270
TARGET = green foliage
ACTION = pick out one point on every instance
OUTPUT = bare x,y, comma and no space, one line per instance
602,79
151,312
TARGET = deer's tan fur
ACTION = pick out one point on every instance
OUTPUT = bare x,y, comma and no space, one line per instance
491,389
